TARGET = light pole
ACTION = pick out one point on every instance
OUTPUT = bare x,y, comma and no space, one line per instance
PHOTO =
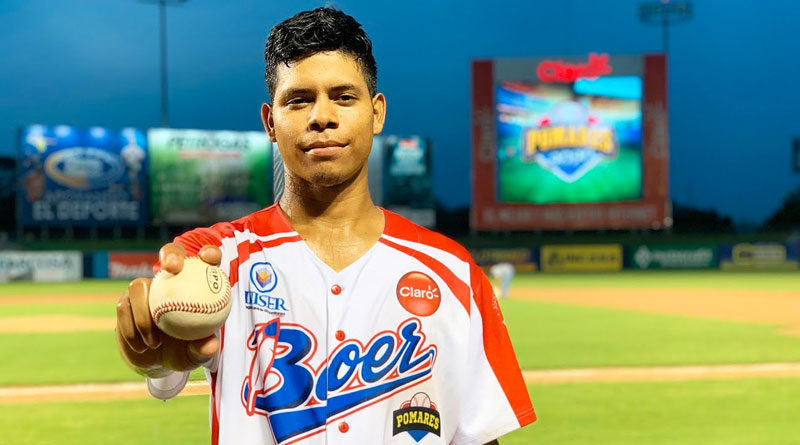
665,13
162,11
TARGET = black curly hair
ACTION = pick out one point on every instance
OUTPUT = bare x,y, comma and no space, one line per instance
318,30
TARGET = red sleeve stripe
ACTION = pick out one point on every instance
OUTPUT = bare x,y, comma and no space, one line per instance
457,287
498,348
247,248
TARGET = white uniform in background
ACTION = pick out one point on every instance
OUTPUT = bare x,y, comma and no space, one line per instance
406,345
503,273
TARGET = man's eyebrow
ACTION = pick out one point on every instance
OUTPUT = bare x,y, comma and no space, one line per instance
296,92
344,87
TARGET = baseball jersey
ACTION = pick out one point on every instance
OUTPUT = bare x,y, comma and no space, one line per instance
406,345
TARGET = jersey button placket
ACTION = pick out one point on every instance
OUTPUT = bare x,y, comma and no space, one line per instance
336,289
344,427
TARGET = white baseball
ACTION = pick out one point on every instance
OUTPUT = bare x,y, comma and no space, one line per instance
192,304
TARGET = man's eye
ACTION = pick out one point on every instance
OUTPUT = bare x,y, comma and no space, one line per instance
297,101
346,98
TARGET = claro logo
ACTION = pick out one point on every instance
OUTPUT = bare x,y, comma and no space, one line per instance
418,294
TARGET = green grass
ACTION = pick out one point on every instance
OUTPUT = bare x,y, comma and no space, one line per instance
746,411
183,420
73,309
85,287
552,335
704,279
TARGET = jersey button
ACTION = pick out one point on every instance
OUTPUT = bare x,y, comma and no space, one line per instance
340,335
344,427
336,289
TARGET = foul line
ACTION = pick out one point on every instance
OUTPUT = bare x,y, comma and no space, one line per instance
138,390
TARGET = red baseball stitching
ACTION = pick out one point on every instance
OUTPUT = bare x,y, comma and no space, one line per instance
193,308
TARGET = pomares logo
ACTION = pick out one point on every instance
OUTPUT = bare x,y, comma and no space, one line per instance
418,293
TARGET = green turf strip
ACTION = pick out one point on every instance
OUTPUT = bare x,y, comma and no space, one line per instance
551,335
85,287
183,420
746,411
63,358
74,309
782,281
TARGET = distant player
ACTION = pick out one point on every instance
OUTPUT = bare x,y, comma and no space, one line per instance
503,273
349,323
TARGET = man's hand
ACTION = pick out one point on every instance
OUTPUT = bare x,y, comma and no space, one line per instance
143,346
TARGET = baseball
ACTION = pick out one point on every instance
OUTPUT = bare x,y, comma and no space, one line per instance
192,304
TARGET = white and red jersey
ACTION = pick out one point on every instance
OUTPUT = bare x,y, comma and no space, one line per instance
406,345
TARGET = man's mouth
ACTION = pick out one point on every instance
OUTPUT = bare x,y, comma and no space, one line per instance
324,149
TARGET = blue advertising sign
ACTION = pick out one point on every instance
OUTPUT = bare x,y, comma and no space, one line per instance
82,177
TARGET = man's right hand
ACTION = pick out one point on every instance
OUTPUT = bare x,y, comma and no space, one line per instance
143,346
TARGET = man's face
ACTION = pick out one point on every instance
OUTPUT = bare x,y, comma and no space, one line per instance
323,118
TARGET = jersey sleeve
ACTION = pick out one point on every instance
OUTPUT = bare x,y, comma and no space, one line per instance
192,241
495,400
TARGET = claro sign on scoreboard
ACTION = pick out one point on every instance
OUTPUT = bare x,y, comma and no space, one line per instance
574,142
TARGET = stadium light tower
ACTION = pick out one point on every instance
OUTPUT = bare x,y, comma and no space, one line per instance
665,13
162,10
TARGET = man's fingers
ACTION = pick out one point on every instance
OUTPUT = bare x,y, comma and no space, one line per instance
138,292
171,256
200,351
210,254
126,327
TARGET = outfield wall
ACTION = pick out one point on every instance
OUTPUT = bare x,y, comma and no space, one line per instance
64,265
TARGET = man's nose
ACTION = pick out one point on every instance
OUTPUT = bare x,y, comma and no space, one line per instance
323,116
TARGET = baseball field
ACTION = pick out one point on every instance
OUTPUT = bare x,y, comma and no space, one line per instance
634,357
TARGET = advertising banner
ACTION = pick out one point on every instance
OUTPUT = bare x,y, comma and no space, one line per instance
130,265
203,177
82,177
669,256
408,179
582,258
524,259
41,266
754,256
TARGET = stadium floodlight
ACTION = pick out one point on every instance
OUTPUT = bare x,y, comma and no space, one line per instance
162,8
665,13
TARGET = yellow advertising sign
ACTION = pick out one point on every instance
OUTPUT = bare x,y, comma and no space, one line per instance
582,258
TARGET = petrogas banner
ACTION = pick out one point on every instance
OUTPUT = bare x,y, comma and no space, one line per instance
41,266
82,177
696,256
582,258
758,256
202,177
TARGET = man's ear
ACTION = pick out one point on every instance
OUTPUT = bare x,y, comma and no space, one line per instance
378,113
269,123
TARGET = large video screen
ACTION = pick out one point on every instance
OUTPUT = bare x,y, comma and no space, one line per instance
570,143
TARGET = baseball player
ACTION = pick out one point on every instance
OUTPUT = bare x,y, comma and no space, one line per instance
503,273
349,324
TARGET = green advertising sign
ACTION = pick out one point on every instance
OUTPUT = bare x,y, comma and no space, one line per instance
694,256
203,177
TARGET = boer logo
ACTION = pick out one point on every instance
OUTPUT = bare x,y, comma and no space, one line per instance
570,142
418,294
264,279
300,392
417,417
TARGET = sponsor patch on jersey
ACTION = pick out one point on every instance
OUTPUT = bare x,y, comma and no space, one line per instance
263,281
300,390
418,294
418,417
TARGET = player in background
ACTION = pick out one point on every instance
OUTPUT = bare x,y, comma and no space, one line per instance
502,273
325,109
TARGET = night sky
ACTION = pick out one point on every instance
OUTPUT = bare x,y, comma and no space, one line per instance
733,75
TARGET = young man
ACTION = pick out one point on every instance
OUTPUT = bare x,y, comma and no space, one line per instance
349,324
